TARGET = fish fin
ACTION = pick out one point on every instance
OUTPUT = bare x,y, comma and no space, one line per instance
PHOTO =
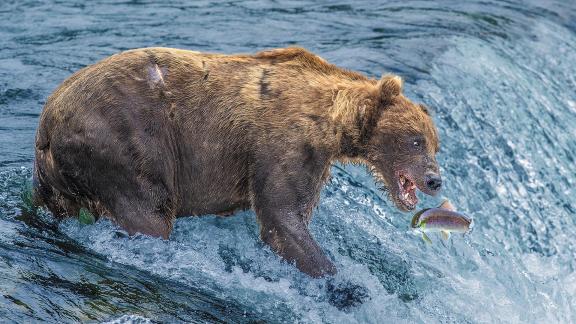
426,238
446,204
445,235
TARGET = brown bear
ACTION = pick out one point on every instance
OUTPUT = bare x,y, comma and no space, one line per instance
148,135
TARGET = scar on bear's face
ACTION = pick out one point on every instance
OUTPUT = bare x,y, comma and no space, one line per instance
156,76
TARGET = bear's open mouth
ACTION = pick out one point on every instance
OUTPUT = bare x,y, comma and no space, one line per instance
407,191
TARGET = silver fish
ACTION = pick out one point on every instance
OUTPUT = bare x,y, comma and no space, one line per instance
443,219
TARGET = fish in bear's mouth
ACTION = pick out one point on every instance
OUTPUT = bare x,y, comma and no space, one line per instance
406,191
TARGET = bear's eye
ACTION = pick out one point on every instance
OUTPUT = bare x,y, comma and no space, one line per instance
417,143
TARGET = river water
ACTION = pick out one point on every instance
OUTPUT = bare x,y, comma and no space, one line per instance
500,77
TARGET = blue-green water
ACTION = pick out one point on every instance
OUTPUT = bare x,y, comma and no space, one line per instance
500,77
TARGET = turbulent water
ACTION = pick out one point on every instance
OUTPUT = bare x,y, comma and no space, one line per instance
500,77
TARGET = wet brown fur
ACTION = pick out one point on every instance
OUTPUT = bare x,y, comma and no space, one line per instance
148,135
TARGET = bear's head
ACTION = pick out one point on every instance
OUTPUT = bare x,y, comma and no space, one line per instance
399,142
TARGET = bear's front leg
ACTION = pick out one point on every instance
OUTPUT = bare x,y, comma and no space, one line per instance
284,191
288,235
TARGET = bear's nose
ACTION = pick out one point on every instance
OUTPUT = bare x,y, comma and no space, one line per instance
434,182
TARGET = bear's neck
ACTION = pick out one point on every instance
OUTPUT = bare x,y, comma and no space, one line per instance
352,107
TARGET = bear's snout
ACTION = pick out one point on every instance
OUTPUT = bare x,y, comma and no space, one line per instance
434,182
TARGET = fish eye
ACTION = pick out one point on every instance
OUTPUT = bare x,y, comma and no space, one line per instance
416,143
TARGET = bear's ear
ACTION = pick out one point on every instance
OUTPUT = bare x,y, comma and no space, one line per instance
390,86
